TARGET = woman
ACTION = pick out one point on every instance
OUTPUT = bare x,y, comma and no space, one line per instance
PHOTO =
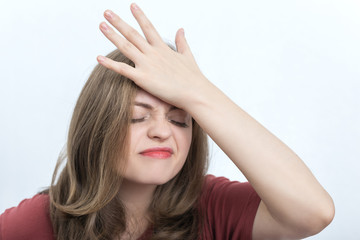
136,158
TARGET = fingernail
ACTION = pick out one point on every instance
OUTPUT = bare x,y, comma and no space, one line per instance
182,32
108,14
104,26
101,58
134,6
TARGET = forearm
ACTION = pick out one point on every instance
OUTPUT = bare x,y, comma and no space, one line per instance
286,186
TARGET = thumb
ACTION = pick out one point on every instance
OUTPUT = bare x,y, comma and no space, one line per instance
181,43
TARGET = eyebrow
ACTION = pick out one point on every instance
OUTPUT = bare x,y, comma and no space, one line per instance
148,106
144,105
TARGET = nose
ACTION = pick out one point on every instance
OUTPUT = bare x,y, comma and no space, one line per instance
159,129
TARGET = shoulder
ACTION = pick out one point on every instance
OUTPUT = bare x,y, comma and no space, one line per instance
29,220
229,206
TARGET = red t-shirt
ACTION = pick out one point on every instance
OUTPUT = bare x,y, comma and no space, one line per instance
230,208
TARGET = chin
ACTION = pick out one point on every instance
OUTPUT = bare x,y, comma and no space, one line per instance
156,180
157,172
151,176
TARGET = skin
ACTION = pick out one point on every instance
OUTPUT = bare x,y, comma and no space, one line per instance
294,205
155,123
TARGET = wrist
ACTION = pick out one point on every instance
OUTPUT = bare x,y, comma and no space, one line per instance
202,97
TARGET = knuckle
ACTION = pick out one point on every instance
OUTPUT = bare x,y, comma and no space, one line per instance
147,26
126,46
116,18
131,32
119,68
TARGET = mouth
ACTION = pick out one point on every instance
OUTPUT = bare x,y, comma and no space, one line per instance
158,152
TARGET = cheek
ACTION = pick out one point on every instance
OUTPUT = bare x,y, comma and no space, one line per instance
184,141
135,134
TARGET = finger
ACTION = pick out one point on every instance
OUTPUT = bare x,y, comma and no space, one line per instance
127,31
152,36
126,47
119,67
181,43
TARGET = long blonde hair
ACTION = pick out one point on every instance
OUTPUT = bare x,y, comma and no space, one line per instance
83,197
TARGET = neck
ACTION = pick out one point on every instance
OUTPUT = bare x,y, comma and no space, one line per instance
136,198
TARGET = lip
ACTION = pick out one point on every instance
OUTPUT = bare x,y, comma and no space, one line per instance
158,152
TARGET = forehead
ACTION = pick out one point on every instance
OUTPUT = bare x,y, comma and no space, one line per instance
145,97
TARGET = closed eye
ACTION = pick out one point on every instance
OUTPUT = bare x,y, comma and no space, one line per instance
179,124
136,120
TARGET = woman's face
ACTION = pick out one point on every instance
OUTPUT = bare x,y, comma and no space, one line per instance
160,138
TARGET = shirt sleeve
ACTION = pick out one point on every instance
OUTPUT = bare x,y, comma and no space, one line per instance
29,220
230,208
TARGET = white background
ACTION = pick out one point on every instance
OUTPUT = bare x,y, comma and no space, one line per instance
293,65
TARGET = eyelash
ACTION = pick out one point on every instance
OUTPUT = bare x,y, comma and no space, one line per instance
136,120
179,124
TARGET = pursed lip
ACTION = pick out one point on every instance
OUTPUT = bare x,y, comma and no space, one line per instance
158,152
